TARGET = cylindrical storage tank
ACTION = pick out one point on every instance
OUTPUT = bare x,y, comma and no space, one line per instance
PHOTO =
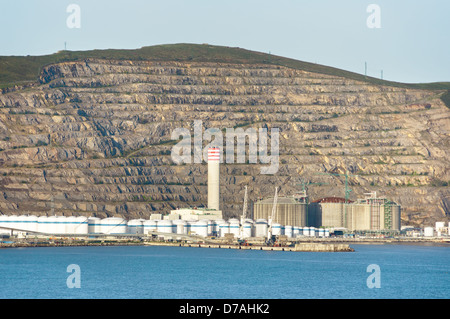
276,229
210,227
21,222
224,228
80,225
217,222
321,232
247,229
4,221
290,211
60,224
288,231
13,222
113,225
135,226
165,226
180,225
43,224
295,231
51,224
188,228
327,232
234,227
261,228
70,224
149,225
94,225
428,231
312,231
200,228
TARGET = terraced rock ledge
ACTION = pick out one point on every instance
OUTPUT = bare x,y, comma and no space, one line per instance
92,137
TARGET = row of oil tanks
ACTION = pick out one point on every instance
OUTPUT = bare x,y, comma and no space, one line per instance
62,224
221,228
116,225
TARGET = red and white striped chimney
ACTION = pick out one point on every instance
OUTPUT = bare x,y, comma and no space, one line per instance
213,178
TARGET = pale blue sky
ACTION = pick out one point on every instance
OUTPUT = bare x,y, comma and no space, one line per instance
412,44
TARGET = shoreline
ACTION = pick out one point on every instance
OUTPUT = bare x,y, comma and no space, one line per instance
313,244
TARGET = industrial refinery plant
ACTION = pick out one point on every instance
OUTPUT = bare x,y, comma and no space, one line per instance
292,217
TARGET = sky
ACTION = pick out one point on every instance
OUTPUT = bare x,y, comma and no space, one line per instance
401,40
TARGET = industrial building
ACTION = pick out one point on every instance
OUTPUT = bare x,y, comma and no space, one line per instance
328,212
290,210
369,214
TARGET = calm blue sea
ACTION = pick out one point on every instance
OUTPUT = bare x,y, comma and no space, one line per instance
137,272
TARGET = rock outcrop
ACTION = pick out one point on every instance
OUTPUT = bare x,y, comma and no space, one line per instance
94,138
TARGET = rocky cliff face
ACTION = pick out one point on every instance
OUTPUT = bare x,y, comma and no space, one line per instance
93,138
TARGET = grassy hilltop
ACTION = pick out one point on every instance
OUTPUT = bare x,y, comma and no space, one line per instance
18,70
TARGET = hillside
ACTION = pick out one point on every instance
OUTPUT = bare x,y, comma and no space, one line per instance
90,132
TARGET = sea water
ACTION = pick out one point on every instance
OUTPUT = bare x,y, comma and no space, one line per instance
137,272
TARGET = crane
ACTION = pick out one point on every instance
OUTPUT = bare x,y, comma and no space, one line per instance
244,214
272,216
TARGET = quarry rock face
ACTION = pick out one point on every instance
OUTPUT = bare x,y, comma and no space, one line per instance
94,138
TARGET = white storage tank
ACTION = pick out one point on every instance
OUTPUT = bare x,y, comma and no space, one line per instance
234,225
135,226
428,232
276,229
247,229
200,228
149,225
165,226
224,228
60,224
180,226
304,231
210,227
312,231
70,224
295,231
327,232
188,229
261,228
13,222
321,232
94,225
113,225
51,224
27,222
43,224
80,225
216,223
288,231
4,222
21,222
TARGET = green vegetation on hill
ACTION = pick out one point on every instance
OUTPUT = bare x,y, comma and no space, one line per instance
20,70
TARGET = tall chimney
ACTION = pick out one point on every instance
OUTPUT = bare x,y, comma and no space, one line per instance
213,178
